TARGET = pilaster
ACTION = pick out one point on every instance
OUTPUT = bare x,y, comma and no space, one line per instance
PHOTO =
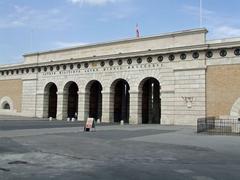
135,116
107,107
83,106
62,105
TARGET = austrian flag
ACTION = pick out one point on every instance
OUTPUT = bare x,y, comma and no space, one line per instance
137,31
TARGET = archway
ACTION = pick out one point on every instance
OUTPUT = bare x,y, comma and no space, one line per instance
72,99
151,102
6,103
50,100
121,101
94,88
6,106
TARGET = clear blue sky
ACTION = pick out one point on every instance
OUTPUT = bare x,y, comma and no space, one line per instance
34,25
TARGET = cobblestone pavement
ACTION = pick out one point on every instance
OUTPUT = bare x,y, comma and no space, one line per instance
16,123
115,152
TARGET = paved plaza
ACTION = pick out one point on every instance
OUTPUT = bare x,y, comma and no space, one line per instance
37,149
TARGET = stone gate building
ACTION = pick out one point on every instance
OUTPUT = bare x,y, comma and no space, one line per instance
172,78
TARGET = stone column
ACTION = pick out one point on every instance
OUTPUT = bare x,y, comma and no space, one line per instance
107,107
62,100
42,105
135,114
83,106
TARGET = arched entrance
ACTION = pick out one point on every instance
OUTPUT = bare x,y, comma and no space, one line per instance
151,102
121,101
94,88
6,103
72,99
50,100
6,106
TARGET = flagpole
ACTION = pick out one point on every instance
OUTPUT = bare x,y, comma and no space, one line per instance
200,11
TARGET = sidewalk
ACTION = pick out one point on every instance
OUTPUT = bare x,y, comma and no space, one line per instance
188,137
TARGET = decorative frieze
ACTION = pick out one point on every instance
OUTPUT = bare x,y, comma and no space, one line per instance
172,57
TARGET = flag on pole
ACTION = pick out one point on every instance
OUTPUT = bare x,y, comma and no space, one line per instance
137,31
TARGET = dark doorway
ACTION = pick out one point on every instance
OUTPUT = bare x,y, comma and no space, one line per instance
121,101
151,102
72,100
52,101
95,101
6,106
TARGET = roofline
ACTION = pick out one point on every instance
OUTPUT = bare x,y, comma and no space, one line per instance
191,48
223,40
164,35
112,56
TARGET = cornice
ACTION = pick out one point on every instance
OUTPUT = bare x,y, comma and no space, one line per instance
200,47
165,35
112,56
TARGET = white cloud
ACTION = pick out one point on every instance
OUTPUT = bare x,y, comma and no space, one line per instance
113,16
61,44
118,14
226,31
22,16
219,25
93,2
196,10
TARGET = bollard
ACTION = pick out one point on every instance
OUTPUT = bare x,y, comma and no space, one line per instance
68,119
98,121
122,122
50,118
